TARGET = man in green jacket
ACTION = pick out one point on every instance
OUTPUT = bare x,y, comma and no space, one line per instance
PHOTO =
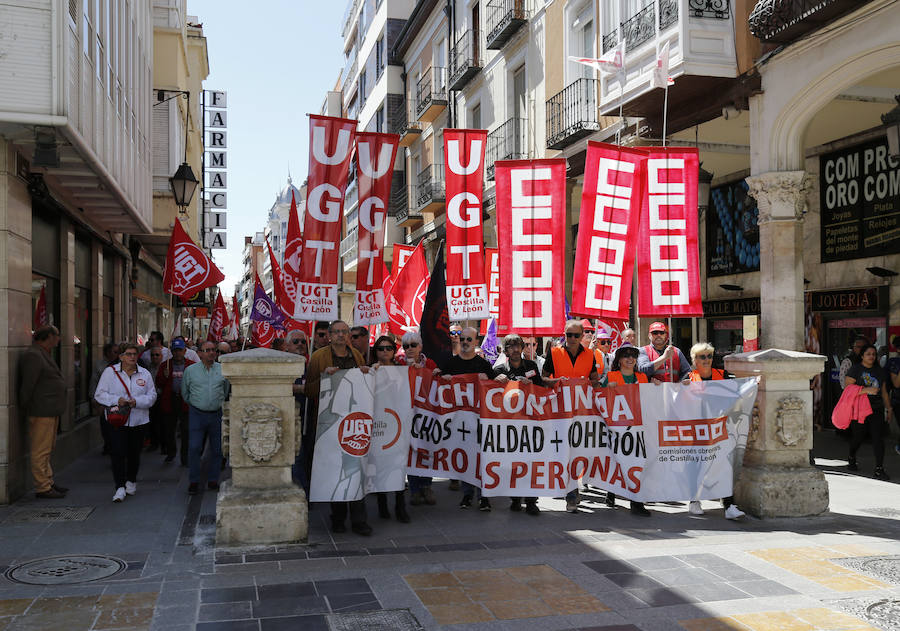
42,394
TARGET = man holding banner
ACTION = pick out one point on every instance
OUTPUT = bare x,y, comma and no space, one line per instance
661,360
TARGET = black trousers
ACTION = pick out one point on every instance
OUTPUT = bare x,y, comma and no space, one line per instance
875,426
125,452
357,512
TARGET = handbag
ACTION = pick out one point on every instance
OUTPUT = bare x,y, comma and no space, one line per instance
117,415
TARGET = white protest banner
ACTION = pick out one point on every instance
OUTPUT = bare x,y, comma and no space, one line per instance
643,442
362,435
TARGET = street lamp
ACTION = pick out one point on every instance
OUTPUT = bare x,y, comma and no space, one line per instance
183,184
891,122
704,178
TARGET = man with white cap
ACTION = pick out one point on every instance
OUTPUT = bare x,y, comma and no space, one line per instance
660,359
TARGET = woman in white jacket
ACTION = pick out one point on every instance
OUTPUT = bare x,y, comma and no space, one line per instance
127,384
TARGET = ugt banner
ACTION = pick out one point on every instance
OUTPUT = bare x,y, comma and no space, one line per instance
362,436
607,231
668,258
531,224
668,442
467,294
374,168
330,148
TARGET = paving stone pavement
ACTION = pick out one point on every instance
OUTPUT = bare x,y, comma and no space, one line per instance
599,569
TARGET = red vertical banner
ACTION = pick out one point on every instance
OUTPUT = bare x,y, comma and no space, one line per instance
531,223
607,231
292,251
330,149
375,168
464,173
668,258
492,278
219,318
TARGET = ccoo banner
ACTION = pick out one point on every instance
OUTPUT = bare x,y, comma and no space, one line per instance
531,223
670,442
668,262
330,148
375,167
607,232
467,294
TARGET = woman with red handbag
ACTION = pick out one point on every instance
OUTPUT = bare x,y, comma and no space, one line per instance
126,391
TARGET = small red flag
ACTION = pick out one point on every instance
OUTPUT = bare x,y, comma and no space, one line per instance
188,269
281,296
219,318
411,285
293,248
41,317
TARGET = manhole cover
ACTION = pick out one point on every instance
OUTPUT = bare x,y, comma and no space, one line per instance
884,568
66,570
46,515
386,620
883,613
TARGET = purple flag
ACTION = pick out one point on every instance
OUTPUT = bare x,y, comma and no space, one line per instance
265,309
489,344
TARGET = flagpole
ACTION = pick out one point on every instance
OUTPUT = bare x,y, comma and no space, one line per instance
665,111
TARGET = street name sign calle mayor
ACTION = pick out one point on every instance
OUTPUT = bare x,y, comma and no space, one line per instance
216,202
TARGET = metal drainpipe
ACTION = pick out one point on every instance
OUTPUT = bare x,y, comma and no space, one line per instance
450,10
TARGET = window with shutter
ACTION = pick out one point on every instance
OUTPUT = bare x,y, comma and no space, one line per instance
161,151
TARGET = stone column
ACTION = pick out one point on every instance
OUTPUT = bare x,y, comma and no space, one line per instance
777,479
261,504
781,197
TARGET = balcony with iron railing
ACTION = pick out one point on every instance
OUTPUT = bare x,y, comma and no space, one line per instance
430,189
400,122
406,216
503,19
431,94
702,58
572,114
783,21
465,60
508,142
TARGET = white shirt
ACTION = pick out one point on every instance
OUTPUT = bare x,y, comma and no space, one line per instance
140,384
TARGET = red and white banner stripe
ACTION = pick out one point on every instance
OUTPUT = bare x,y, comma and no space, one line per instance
375,168
330,149
607,231
668,265
467,297
531,222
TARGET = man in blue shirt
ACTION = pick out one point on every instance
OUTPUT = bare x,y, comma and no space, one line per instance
204,389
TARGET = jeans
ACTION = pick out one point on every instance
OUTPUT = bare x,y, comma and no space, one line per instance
203,424
417,483
125,452
470,490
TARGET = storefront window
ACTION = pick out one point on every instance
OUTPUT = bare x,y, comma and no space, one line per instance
732,233
727,336
50,287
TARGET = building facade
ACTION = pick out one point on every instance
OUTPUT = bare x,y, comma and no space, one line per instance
76,198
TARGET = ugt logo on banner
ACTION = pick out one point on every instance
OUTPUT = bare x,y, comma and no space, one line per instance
467,295
330,148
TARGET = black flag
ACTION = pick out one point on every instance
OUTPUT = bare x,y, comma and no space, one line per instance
434,326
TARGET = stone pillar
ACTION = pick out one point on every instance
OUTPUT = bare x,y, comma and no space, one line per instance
781,197
261,504
777,479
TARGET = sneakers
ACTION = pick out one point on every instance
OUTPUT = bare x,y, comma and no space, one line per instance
417,498
733,512
484,505
879,474
50,494
532,508
694,508
428,494
465,502
851,464
120,495
130,488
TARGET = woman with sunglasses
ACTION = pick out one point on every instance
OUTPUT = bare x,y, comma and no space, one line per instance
384,351
419,486
702,355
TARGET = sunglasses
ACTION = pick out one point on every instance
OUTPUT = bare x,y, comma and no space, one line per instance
385,349
321,334
706,356
657,332
455,333
574,335
466,339
356,336
411,345
604,342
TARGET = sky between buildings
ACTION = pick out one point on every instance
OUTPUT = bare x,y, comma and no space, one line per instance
276,59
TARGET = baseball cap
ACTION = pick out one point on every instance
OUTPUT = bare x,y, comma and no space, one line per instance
604,334
177,344
586,325
658,326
